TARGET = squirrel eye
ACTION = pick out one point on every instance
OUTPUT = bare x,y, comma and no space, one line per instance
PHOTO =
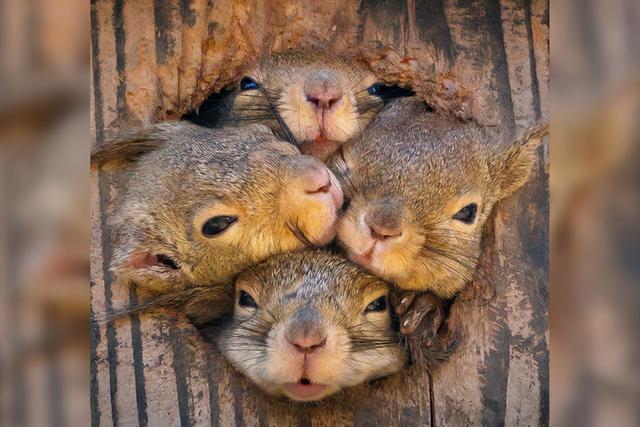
467,214
246,300
379,304
217,225
346,202
247,83
375,89
389,92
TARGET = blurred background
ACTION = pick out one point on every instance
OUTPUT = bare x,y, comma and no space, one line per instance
595,212
44,212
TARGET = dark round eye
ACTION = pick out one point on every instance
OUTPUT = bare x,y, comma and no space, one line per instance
217,225
467,214
246,300
375,89
388,92
247,83
379,304
346,202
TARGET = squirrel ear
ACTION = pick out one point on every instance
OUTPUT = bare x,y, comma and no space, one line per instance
127,148
134,258
154,271
510,167
142,259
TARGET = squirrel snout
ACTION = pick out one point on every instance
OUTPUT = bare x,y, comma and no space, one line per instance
384,221
315,180
323,101
305,332
308,345
321,90
381,232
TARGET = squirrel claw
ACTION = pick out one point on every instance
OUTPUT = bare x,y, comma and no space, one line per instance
423,309
405,302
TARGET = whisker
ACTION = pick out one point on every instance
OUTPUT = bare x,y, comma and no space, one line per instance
288,134
297,232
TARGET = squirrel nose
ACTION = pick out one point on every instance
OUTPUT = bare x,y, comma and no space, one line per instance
379,232
308,345
323,101
314,179
305,332
321,89
384,219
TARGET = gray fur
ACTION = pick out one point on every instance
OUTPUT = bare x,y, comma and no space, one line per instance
414,163
173,171
311,291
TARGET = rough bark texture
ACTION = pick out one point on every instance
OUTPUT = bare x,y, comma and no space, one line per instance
487,60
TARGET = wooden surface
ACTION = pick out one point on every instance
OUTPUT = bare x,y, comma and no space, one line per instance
155,60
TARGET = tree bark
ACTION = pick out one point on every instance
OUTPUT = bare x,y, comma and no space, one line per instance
486,60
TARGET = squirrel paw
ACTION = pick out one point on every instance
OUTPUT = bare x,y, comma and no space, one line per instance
420,310
429,334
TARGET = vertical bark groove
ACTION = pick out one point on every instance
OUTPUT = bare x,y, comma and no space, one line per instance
485,60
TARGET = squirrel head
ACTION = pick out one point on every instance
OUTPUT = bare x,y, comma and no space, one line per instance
419,187
308,324
201,204
322,98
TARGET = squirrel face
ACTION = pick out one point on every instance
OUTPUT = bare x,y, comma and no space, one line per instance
308,324
323,99
419,188
201,204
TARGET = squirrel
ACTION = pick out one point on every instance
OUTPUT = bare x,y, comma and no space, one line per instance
307,324
202,204
312,97
418,188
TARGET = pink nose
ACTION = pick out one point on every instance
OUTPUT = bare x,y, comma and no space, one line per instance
382,232
323,100
322,89
308,345
316,181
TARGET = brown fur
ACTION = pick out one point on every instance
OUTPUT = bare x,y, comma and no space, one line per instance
180,174
310,295
288,79
407,176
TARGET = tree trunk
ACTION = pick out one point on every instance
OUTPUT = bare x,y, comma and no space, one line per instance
487,60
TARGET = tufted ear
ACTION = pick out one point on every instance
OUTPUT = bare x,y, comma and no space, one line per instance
128,147
138,258
510,166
